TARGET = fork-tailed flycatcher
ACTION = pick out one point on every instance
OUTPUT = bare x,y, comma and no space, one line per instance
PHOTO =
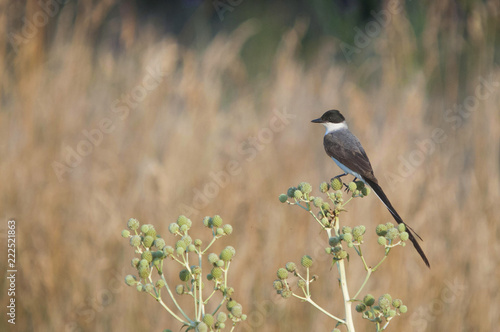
346,151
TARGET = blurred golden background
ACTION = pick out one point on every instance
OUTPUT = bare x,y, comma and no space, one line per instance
117,109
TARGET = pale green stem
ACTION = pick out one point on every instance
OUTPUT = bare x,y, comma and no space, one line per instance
173,298
343,282
368,274
308,299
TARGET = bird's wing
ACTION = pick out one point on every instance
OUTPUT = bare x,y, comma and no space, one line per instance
346,148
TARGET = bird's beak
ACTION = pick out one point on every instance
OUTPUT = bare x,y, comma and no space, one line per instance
317,120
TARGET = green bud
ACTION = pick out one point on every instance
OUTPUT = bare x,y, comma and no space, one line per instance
184,275
230,304
365,191
325,206
216,272
151,231
191,248
226,255
148,241
401,228
328,250
217,221
145,228
297,194
282,273
382,240
403,309
207,221
283,198
135,241
352,186
201,327
286,294
291,192
360,185
347,237
168,250
369,300
160,283
220,231
392,233
290,266
336,184
323,187
278,285
133,224
360,307
159,243
318,201
356,232
139,288
198,242
184,228
384,301
404,236
221,317
179,289
221,326
306,261
342,255
149,287
334,241
147,255
173,228
183,220
135,262
143,263
213,258
325,221
389,225
346,230
220,263
305,187
125,233
392,313
187,240
158,254
144,272
130,280
208,319
237,310
397,303
180,251
181,244
381,230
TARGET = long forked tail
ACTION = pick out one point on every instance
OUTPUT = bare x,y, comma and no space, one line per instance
380,194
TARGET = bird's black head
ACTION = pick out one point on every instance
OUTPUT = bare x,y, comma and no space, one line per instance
332,116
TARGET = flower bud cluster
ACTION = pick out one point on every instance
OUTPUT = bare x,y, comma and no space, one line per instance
389,234
281,284
215,223
384,307
153,250
359,189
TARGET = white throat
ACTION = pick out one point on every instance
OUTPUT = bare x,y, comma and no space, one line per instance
331,127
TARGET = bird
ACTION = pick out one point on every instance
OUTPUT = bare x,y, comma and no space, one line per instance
348,153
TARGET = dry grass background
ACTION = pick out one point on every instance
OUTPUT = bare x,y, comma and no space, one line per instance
70,256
